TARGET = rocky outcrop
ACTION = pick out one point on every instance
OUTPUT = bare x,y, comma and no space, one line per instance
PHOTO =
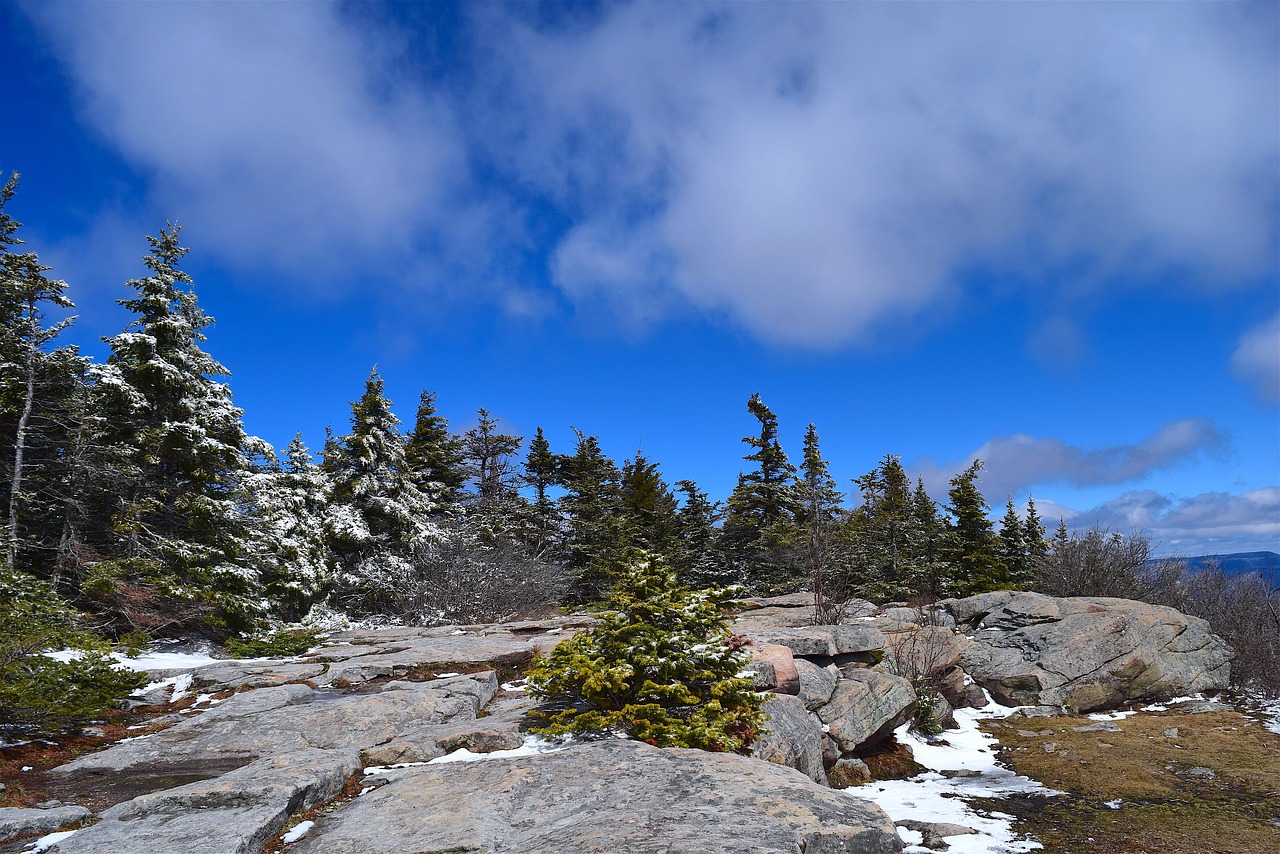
792,737
607,796
865,707
16,823
1086,653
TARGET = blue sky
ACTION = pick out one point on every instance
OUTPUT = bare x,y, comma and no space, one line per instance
1043,234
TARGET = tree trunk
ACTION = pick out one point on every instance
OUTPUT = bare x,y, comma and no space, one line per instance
19,445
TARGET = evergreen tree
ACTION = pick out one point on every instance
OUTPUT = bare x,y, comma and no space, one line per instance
930,576
593,514
488,457
883,530
433,455
541,473
181,493
291,519
820,509
698,560
660,667
649,506
25,296
1013,548
760,524
379,514
971,543
1033,533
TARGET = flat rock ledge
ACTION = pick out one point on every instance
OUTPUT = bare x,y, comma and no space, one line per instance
605,796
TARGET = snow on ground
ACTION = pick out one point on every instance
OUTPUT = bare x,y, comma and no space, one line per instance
533,746
935,797
46,842
299,831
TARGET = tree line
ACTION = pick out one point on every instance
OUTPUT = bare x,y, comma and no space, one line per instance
134,493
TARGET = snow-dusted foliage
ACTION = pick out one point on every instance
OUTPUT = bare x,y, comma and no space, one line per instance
291,519
380,515
180,493
661,666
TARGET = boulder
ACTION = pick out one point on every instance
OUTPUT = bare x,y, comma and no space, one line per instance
16,823
236,813
823,644
235,675
1086,653
605,796
502,731
776,664
792,737
290,718
865,707
816,683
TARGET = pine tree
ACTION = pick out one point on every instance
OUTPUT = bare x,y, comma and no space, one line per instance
1033,533
433,455
541,473
1013,548
820,508
971,543
291,518
649,506
592,510
930,575
25,296
182,491
660,667
379,514
760,524
488,457
698,559
883,529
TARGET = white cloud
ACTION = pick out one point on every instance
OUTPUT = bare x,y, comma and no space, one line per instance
813,171
1209,523
276,132
817,170
1257,359
1015,463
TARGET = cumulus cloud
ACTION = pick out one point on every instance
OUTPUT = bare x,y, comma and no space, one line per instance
811,171
1257,359
277,132
1015,463
815,171
1209,523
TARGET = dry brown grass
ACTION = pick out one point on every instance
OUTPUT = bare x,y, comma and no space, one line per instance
1167,806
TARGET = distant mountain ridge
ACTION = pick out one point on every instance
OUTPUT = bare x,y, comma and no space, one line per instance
1266,564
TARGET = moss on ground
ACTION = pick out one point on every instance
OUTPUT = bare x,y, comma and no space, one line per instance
1185,783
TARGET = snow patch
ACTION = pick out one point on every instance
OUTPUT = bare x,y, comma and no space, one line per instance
533,745
46,842
299,831
935,797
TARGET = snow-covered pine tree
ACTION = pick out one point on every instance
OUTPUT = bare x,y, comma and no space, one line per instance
291,513
379,514
180,518
32,381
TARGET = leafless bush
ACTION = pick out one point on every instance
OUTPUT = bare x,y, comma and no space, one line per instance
462,582
1245,611
1105,563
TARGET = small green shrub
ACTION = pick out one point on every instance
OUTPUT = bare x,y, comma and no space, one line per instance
281,642
661,666
40,695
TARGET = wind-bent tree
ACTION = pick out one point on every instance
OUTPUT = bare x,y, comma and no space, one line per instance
762,510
